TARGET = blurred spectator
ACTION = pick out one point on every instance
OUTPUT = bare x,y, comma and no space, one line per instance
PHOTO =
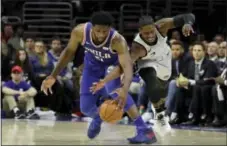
16,42
29,46
5,62
220,98
65,77
195,86
7,33
222,57
41,63
22,60
212,51
219,38
176,35
18,96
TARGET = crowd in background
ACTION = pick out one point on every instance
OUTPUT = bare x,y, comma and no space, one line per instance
197,92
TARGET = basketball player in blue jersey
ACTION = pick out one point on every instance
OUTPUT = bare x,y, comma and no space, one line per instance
104,47
152,55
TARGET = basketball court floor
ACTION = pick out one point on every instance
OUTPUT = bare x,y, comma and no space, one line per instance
47,132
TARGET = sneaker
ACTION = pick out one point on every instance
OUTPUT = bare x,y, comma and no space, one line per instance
32,115
19,115
94,128
162,125
147,116
147,136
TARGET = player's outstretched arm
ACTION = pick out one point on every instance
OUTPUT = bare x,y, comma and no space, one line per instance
185,20
68,53
66,56
136,52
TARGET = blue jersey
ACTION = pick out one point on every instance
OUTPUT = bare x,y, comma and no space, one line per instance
98,55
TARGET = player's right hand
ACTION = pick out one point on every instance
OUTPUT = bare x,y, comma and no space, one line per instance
121,97
96,86
47,85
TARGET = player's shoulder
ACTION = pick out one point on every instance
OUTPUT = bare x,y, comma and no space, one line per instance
118,38
78,31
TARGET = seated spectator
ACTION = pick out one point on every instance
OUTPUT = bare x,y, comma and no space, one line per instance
222,57
7,33
65,77
5,63
212,51
219,94
16,42
22,60
29,46
18,96
179,64
196,87
41,63
219,38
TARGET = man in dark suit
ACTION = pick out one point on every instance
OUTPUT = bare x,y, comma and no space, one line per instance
222,57
195,85
179,65
219,93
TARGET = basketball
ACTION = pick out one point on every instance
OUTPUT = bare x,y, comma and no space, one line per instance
108,112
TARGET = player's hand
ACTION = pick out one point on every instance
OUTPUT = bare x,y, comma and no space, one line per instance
47,85
121,97
96,86
187,29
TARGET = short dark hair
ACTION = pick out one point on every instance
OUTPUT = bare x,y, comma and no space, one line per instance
55,38
201,44
145,20
102,18
177,42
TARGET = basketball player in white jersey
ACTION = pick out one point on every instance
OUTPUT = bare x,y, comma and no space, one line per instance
152,56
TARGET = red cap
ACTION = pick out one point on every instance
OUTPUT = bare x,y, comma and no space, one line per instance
17,69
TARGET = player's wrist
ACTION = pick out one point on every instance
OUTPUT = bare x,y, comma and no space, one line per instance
51,77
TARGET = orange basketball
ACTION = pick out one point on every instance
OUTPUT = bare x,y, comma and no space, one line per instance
109,113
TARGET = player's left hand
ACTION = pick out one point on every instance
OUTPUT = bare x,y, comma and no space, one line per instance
187,29
96,86
122,97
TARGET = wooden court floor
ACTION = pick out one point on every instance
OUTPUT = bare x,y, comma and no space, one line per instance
41,132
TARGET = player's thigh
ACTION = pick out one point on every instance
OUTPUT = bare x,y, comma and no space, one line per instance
152,83
87,98
88,78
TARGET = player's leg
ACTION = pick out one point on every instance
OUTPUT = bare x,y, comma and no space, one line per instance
156,91
88,103
144,133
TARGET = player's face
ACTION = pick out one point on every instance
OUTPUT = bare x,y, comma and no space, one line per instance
100,32
198,52
148,33
176,51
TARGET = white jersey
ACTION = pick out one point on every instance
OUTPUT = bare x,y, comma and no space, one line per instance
158,56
